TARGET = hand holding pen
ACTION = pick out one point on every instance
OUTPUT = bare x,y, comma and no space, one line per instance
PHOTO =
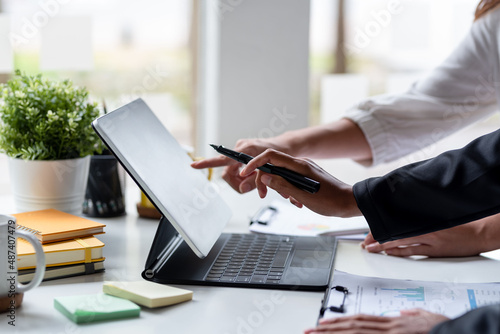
231,170
334,198
299,181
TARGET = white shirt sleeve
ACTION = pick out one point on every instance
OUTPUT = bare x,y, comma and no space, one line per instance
462,90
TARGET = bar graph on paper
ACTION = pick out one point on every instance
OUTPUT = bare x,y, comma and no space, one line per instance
378,296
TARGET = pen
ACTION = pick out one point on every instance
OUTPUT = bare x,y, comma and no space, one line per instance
298,180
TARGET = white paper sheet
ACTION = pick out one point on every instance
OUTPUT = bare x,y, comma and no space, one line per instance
386,297
290,220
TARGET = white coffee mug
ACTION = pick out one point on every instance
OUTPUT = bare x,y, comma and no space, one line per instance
9,284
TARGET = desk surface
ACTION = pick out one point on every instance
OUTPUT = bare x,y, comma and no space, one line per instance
213,309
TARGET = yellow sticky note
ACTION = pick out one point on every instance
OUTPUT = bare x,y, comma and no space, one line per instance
147,293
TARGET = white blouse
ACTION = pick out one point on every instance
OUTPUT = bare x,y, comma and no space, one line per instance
462,90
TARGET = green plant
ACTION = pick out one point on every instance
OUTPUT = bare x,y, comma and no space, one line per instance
42,119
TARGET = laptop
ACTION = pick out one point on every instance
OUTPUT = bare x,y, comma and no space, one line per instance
189,246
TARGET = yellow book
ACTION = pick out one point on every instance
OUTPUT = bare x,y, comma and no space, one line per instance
53,225
147,293
26,275
79,250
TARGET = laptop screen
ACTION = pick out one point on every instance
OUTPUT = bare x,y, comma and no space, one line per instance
161,167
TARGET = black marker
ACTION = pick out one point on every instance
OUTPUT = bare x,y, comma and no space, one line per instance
294,178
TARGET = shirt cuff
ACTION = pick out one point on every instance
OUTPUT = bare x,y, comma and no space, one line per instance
375,134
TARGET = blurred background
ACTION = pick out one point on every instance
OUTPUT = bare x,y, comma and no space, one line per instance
121,50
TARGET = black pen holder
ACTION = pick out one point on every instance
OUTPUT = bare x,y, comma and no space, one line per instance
104,196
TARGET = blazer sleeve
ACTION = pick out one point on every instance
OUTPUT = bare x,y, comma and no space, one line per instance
484,320
453,188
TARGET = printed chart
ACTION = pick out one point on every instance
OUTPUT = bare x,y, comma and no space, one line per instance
379,296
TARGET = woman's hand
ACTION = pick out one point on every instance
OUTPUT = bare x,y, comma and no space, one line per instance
231,173
410,322
339,139
334,197
463,240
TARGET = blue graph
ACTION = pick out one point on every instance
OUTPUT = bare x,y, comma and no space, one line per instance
472,298
410,294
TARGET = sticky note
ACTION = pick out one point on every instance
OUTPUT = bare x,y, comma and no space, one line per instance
90,308
147,293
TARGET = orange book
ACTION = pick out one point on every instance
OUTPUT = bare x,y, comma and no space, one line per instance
53,225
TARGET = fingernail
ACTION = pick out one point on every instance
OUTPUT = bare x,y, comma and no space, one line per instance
245,187
371,246
243,171
266,179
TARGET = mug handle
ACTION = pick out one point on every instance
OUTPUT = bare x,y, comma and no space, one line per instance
40,262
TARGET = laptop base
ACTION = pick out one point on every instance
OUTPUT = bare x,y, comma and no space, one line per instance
307,267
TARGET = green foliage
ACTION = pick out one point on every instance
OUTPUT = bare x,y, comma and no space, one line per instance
46,120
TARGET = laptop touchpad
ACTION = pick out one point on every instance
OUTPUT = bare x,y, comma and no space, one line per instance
311,259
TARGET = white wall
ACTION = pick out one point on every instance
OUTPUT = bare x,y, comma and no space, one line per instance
253,69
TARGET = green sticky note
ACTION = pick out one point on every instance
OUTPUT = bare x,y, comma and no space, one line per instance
90,308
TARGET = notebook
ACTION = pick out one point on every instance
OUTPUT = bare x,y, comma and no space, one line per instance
79,250
52,225
147,293
189,246
26,275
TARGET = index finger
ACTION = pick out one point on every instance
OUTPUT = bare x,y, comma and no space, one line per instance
362,317
407,242
369,239
273,157
218,161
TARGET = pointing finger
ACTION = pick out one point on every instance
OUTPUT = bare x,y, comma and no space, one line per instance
218,161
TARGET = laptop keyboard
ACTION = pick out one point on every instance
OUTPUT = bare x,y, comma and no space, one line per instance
251,258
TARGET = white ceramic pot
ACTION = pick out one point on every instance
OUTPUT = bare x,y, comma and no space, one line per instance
44,184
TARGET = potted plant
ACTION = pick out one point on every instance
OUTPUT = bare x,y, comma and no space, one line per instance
45,129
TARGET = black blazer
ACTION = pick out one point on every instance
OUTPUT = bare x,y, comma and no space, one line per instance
454,188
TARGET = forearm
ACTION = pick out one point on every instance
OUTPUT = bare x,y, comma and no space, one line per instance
488,233
340,139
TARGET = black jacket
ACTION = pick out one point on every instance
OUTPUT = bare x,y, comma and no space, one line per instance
454,188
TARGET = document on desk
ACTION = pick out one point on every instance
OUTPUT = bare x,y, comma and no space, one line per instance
386,297
281,217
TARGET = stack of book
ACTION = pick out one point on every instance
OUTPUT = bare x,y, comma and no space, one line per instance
68,241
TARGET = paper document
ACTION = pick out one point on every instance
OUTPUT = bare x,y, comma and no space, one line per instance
284,218
381,296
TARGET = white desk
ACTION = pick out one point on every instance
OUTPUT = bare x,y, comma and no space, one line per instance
213,309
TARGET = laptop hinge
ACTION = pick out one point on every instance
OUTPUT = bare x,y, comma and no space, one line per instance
164,256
